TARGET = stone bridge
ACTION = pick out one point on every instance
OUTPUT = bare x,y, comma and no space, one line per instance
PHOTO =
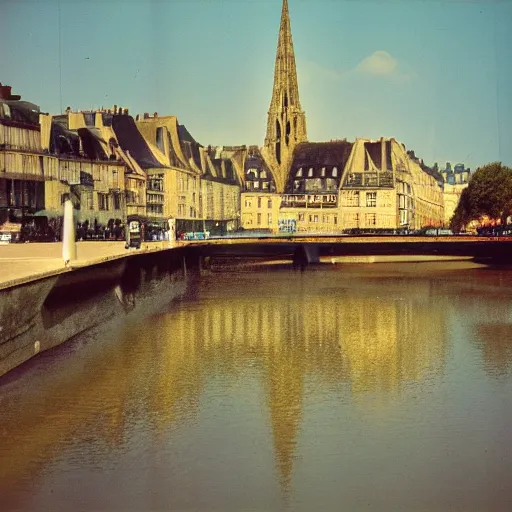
314,249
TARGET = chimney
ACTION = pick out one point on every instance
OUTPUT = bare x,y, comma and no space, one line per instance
115,109
156,114
125,111
137,117
146,115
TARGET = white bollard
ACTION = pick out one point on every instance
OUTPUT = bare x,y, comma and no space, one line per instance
172,232
68,233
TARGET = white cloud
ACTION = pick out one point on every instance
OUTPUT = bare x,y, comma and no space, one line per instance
378,63
382,64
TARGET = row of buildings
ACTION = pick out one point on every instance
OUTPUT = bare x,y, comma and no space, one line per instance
114,165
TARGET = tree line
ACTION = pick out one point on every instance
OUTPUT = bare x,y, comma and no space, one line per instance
489,193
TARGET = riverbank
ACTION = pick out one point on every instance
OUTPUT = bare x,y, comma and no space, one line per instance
44,303
22,263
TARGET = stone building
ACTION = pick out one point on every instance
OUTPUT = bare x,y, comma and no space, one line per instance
291,184
24,167
197,186
105,183
455,181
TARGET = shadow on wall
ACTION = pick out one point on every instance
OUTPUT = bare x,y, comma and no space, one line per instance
42,314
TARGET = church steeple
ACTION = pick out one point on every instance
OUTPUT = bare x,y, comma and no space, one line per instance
286,124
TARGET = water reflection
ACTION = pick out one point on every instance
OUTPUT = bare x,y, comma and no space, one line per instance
303,337
336,336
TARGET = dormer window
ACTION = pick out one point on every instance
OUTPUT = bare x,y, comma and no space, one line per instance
299,173
310,172
263,174
334,172
322,174
252,173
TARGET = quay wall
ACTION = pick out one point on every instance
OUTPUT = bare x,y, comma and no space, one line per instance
43,313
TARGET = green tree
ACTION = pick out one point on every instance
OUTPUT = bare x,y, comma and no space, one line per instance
489,193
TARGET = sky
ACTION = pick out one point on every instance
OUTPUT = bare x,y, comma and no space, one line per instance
434,74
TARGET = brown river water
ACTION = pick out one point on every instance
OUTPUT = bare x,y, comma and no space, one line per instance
379,387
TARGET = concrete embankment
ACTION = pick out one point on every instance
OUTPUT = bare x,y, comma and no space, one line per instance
43,303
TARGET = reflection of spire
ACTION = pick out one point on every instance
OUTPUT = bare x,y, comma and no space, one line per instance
285,383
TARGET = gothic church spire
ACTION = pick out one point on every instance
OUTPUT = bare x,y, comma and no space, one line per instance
286,124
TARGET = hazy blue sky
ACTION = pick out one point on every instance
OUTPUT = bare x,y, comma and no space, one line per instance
436,75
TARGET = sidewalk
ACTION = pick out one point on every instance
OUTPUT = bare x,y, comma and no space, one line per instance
24,262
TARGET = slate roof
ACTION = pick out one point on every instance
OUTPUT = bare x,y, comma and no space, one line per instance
374,151
62,140
130,139
321,154
20,111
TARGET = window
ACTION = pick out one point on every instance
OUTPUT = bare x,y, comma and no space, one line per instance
371,199
269,204
89,200
322,173
102,201
269,219
264,185
256,184
117,201
334,172
335,219
248,203
160,139
259,219
371,219
301,216
352,198
155,209
259,202
263,174
299,173
310,172
131,197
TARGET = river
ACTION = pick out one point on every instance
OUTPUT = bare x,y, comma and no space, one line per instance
343,387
